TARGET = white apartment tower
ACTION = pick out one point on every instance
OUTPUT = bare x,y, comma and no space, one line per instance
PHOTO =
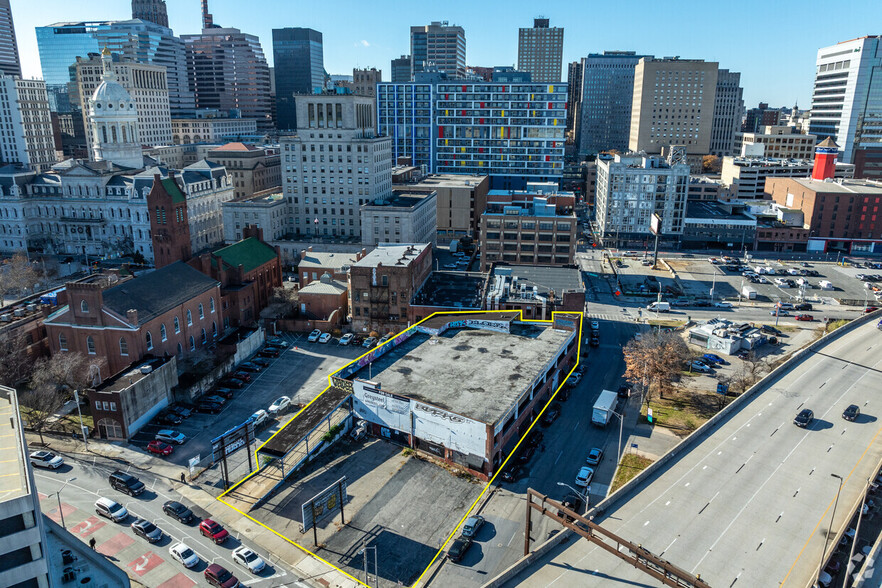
333,165
631,188
847,99
25,125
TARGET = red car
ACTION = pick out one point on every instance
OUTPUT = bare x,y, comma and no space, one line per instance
804,317
870,309
160,448
213,531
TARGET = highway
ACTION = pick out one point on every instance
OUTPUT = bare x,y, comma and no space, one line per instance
751,504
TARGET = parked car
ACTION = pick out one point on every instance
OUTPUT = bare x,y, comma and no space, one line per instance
594,456
182,411
280,405
723,304
126,483
215,398
550,415
170,436
248,559
574,379
803,306
223,392
624,391
458,548
471,526
214,531
250,366
851,413
571,501
325,338
595,340
771,330
779,312
314,336
219,576
535,437
46,459
714,358
278,342
583,478
233,382
262,362
384,338
700,367
259,417
208,407
525,454
183,555
242,375
111,509
269,352
369,342
178,511
346,339
804,418
160,448
595,325
147,530
513,474
170,417
804,317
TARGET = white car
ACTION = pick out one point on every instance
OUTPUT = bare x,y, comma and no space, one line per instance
247,558
170,436
346,339
184,555
46,459
584,477
280,405
325,338
314,336
595,325
723,304
259,417
111,509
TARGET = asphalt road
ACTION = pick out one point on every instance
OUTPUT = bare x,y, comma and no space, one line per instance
149,564
751,504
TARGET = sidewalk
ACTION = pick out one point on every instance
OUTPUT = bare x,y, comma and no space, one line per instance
308,569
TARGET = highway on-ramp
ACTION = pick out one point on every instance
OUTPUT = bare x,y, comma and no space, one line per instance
751,503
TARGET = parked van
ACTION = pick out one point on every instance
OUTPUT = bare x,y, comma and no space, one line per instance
825,285
660,306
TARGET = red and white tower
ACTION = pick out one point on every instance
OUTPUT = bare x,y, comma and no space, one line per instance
825,159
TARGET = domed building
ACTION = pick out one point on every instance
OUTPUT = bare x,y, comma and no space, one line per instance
113,121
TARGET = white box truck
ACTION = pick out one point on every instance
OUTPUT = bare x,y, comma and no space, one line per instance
748,293
660,306
603,408
825,285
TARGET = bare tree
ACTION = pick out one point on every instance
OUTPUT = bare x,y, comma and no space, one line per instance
654,360
42,403
64,372
18,275
15,363
749,372
281,303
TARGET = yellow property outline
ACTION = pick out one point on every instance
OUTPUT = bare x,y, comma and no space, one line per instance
489,482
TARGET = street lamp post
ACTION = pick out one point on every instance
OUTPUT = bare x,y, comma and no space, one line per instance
58,496
849,567
579,494
621,423
830,528
80,414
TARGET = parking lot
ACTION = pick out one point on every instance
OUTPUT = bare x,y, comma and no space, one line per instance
300,372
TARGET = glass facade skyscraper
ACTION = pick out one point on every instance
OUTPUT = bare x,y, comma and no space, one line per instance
10,64
299,68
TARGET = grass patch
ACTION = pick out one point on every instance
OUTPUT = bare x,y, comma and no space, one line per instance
630,466
783,328
669,323
833,325
683,411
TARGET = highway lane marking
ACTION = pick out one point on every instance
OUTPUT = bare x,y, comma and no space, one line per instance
668,547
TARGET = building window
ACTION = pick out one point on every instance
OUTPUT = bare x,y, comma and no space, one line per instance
84,306
204,337
149,341
177,325
180,350
201,311
213,330
62,342
163,334
211,305
192,343
90,345
123,346
189,318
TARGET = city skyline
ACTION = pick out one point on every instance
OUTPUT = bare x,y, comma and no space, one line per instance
377,37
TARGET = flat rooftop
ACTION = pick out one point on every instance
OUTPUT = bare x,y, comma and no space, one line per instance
13,476
261,198
399,200
391,255
712,210
131,376
476,373
451,290
844,186
451,180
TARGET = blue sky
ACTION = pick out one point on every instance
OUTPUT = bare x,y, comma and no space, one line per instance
772,43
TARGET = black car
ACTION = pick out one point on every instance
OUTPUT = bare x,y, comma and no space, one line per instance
458,548
624,391
224,392
804,418
233,383
262,362
573,502
178,511
803,306
514,474
209,407
268,352
535,438
771,330
182,411
147,530
550,415
526,453
126,483
595,341
250,366
851,413
170,417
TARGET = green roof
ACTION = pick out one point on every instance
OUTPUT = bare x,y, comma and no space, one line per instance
173,190
250,253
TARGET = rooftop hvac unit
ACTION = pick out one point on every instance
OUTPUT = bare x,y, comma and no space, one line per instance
5,317
19,312
32,307
146,369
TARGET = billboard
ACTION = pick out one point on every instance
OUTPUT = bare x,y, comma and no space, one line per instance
655,224
326,502
232,440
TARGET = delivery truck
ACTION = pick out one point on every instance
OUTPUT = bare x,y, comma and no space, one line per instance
660,306
748,293
603,408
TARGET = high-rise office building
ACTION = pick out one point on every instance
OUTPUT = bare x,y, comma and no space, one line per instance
145,83
728,111
606,100
228,71
364,81
60,44
574,100
439,47
151,11
401,69
540,51
673,104
333,165
10,64
759,117
847,100
298,63
514,133
26,135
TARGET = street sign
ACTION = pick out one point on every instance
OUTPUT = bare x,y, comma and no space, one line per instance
326,502
654,225
722,388
649,414
194,462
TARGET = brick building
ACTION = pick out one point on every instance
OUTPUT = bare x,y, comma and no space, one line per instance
325,299
169,224
314,264
253,169
382,283
174,310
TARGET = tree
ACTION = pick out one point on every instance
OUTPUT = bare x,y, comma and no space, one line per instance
654,360
18,275
42,403
749,372
281,304
711,163
15,363
65,372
